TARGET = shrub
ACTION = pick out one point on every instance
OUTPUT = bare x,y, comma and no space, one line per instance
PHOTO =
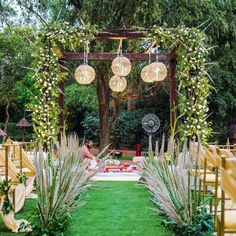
128,128
91,125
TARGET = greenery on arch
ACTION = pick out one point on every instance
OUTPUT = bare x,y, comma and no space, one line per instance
193,80
49,73
190,45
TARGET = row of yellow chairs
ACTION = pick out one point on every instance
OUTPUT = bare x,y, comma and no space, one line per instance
217,176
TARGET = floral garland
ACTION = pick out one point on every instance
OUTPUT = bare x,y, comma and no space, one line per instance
4,191
49,73
194,85
22,178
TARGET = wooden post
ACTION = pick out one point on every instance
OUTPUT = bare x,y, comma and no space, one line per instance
173,91
222,223
23,134
61,104
6,162
21,166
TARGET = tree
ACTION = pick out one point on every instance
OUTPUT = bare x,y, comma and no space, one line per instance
79,100
15,55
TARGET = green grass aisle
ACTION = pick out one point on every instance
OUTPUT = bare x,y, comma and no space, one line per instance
117,209
112,209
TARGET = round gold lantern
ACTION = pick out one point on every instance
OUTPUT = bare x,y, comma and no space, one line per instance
146,74
85,74
121,66
117,83
158,71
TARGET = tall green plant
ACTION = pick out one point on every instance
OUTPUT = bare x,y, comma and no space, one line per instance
62,178
168,176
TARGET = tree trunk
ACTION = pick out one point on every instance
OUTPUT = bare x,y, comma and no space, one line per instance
7,115
104,96
130,102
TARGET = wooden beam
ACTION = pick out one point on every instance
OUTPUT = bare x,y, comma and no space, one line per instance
121,34
111,56
148,50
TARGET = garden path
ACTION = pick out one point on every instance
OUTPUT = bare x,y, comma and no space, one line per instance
111,209
117,209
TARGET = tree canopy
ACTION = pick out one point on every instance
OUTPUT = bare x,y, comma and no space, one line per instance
217,18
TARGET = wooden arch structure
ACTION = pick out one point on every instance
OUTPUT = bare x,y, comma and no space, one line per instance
117,34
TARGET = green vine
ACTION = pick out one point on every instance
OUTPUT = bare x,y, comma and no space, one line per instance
193,80
22,178
4,191
49,73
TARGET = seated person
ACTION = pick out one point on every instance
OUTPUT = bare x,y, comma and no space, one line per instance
85,149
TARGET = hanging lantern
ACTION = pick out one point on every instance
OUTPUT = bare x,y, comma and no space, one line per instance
158,71
85,74
146,74
117,83
121,66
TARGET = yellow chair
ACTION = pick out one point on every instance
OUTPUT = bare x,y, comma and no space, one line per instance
229,153
20,157
226,221
203,169
214,158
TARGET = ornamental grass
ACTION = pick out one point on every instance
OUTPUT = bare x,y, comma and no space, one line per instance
62,178
168,175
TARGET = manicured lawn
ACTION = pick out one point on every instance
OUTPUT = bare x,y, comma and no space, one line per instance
111,209
117,209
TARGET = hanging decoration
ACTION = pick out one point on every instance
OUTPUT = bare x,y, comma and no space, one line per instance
154,72
157,71
146,74
121,65
85,74
117,83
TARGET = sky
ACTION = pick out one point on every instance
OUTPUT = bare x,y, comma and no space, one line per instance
17,17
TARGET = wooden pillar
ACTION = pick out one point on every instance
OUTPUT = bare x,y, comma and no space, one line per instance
173,91
21,161
23,134
6,162
61,104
